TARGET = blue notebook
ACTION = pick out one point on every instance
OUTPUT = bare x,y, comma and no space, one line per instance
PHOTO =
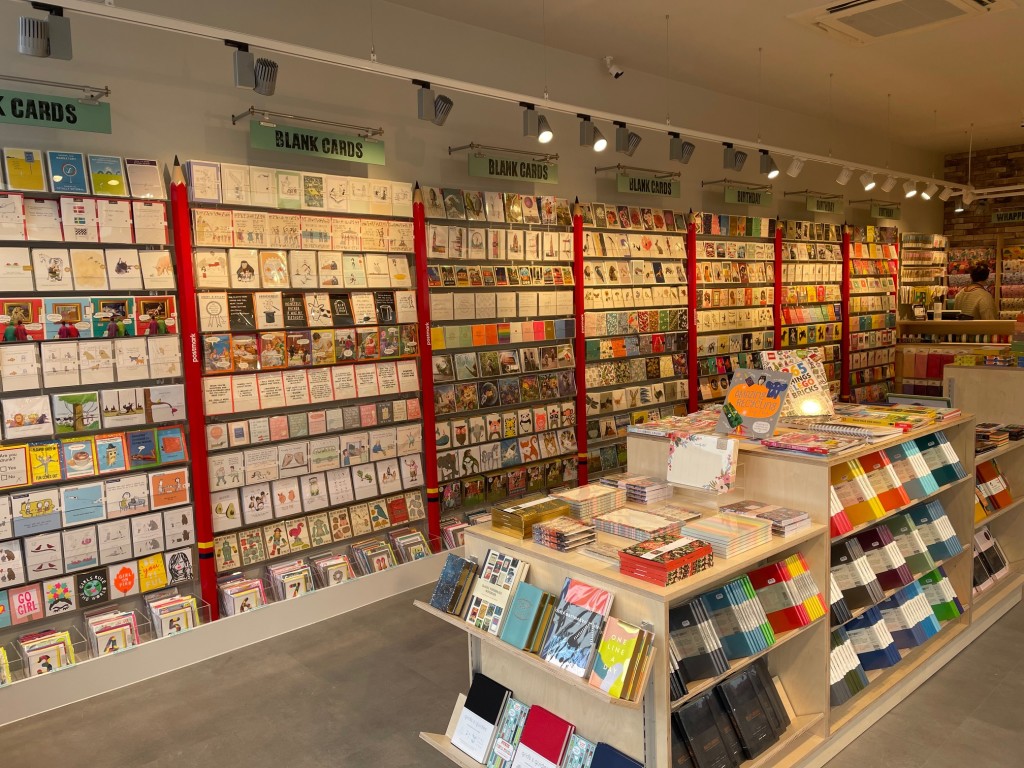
901,457
521,615
607,756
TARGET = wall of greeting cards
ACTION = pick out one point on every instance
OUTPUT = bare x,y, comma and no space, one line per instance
874,263
95,483
307,315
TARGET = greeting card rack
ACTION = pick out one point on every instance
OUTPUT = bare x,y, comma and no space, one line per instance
874,266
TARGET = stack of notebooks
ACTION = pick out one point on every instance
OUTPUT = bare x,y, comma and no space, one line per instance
809,442
909,617
564,534
885,558
846,675
492,591
784,521
290,579
637,525
330,569
838,524
738,720
788,593
111,631
854,576
993,493
453,586
640,489
589,501
240,595
940,595
739,619
911,469
518,519
990,564
46,651
622,660
910,543
172,613
936,531
988,436
872,640
730,535
664,560
694,645
839,611
941,458
574,632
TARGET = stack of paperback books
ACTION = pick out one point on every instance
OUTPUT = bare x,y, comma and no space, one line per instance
730,535
241,595
788,592
173,613
589,501
694,645
622,660
517,519
290,579
664,560
738,720
940,595
46,651
453,586
909,617
111,631
936,530
854,576
846,675
739,619
988,436
784,521
564,534
636,525
330,569
872,640
639,489
885,558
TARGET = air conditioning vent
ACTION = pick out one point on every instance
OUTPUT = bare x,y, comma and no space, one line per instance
865,21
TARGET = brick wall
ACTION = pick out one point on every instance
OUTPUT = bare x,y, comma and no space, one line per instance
997,167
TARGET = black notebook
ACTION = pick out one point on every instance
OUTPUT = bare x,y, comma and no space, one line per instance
739,696
698,727
474,733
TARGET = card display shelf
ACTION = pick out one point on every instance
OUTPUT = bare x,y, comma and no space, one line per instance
700,686
535,660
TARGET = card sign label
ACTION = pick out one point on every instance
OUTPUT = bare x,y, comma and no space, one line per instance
882,211
748,196
825,204
46,111
1008,217
304,141
646,185
490,167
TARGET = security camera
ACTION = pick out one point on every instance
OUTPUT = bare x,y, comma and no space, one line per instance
613,69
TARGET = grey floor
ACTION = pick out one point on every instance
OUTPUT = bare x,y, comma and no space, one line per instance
356,690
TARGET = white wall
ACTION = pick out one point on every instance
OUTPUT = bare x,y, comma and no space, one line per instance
173,95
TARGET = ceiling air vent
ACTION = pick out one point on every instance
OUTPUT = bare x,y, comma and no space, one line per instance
864,21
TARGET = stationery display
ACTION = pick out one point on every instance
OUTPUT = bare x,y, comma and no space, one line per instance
307,312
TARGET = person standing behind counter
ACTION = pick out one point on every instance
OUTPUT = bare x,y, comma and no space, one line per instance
974,301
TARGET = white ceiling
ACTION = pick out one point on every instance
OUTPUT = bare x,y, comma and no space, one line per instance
942,79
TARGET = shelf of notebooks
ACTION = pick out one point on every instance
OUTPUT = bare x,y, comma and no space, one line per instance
536,661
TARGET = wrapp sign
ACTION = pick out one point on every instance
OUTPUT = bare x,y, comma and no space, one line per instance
754,403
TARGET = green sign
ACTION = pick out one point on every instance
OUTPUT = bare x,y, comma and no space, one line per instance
825,204
1014,216
646,185
885,211
748,196
537,171
303,141
45,111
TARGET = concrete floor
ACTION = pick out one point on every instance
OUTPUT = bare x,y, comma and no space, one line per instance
357,689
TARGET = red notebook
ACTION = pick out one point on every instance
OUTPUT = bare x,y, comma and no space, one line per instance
884,481
545,735
783,607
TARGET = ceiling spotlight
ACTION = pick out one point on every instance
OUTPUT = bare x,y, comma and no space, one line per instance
45,38
960,206
535,124
434,109
844,176
626,141
867,181
909,189
768,166
968,197
544,132
945,194
613,69
266,77
590,136
733,159
889,183
930,191
679,150
795,167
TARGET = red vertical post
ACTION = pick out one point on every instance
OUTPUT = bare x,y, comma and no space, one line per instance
777,308
580,341
419,239
844,339
188,320
691,305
